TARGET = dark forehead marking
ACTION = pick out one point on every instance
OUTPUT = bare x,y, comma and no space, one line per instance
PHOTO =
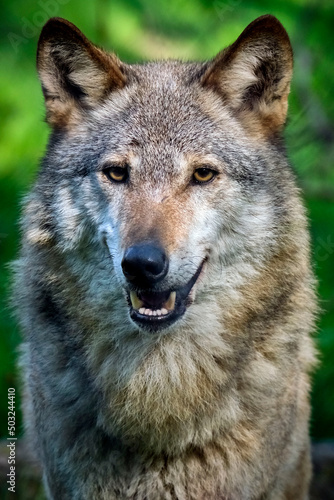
164,111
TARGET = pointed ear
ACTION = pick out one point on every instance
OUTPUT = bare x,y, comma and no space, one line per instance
253,75
75,74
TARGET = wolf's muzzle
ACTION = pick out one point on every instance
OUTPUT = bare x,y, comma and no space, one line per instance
156,310
145,264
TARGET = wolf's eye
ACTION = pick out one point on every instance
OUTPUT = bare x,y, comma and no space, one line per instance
116,173
204,174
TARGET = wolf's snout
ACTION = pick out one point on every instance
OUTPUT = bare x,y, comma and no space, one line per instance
145,264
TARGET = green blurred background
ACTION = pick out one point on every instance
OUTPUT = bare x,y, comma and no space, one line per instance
186,29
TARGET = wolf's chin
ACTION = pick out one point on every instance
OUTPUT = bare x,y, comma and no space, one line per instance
155,311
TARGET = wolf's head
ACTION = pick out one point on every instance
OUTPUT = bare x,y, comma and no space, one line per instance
174,171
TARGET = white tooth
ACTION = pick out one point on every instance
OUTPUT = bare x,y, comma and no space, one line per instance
158,312
151,312
154,313
170,303
164,311
142,310
135,300
147,311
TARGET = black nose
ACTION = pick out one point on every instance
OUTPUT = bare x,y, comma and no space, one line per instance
145,264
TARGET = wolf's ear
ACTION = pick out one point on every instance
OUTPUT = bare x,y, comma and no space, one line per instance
75,74
253,75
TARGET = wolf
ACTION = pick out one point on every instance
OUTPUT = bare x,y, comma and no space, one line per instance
164,286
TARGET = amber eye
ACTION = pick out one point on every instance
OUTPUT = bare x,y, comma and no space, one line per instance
116,173
203,174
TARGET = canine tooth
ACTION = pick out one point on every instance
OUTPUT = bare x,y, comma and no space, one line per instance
164,311
170,303
142,310
135,300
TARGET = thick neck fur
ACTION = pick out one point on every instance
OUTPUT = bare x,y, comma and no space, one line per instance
211,371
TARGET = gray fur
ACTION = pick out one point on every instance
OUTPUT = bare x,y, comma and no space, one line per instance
215,406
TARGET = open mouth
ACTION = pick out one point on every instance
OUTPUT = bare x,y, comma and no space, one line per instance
158,310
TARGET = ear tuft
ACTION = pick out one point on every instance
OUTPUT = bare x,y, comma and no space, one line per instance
74,73
253,75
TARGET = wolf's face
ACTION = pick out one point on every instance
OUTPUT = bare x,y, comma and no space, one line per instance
167,196
174,174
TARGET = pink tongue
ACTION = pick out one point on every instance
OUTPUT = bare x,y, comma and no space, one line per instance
154,300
